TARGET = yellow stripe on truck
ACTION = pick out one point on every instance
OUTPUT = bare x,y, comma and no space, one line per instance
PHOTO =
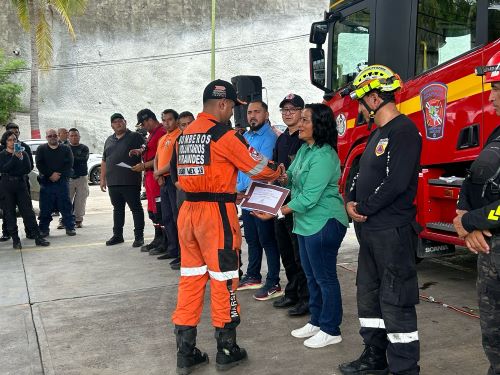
336,3
459,89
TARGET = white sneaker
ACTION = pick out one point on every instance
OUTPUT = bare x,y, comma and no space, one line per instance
307,331
322,339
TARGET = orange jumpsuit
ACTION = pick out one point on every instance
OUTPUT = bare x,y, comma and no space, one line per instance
209,155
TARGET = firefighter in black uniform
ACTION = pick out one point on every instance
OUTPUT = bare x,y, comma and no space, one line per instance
380,203
478,223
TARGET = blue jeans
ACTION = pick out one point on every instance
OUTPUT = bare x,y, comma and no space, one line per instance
169,213
55,195
259,234
318,254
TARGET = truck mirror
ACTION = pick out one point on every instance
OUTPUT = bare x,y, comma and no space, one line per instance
317,67
319,31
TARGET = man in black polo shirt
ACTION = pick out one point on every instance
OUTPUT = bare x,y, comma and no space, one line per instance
288,143
54,162
123,183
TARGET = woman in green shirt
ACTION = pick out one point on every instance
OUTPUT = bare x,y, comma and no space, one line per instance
320,222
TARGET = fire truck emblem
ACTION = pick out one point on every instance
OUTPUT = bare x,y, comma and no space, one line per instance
341,124
433,99
381,146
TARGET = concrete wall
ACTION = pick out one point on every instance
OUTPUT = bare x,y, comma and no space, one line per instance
131,54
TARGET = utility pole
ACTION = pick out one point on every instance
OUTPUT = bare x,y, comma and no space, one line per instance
212,65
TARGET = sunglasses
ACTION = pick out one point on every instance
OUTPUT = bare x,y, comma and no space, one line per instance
52,136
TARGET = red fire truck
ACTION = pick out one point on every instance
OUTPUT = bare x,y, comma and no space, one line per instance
434,45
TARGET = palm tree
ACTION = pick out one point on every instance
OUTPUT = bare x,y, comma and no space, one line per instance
35,17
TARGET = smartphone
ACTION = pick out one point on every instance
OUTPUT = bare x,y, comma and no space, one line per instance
18,147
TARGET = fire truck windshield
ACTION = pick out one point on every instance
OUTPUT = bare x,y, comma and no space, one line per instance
349,47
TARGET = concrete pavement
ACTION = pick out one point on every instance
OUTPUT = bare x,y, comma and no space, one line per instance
79,307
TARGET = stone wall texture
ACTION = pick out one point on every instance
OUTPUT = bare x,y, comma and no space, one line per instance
132,54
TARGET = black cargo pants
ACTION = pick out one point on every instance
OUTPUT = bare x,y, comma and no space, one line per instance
488,288
387,294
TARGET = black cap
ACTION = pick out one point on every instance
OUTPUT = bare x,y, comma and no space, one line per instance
220,89
114,116
145,114
296,100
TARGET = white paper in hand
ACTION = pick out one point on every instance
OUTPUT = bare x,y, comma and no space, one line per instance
124,165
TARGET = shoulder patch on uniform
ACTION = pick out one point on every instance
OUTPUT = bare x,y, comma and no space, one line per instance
254,154
381,146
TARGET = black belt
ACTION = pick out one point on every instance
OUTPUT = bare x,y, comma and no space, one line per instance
211,197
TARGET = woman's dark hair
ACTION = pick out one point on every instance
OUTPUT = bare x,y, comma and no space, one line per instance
324,129
5,136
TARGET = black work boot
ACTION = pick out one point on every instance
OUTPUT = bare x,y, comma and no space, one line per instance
189,357
229,354
39,241
16,242
156,241
115,240
372,361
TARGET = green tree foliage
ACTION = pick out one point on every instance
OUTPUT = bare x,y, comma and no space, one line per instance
36,16
9,91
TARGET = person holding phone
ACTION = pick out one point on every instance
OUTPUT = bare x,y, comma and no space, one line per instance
14,166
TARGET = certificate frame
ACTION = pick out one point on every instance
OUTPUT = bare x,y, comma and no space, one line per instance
273,210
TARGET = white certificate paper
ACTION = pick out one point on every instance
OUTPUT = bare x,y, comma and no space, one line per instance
124,165
264,197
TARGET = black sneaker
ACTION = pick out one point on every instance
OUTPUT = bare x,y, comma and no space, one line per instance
115,240
70,232
284,301
300,309
138,242
5,237
16,243
159,250
268,292
149,246
175,266
41,242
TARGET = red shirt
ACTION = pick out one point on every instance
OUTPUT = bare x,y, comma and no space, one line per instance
152,143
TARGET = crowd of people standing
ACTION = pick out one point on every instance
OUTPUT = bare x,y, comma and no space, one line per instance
62,175
195,171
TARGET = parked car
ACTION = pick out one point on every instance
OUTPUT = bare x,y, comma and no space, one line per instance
93,164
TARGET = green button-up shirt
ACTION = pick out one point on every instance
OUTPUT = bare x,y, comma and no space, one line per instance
313,179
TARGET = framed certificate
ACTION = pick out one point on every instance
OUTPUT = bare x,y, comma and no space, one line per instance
264,197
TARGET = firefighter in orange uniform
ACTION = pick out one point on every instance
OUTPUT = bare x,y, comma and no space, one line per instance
209,154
